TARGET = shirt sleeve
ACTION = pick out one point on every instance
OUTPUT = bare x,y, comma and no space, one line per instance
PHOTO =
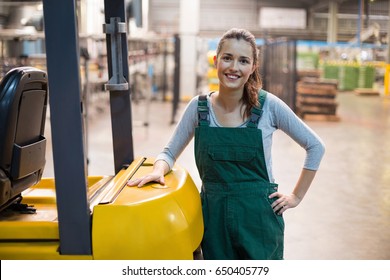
287,121
182,135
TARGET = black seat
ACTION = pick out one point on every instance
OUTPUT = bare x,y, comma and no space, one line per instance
23,100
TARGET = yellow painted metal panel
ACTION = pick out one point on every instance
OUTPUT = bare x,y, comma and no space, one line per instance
387,80
153,222
35,236
29,230
150,222
28,250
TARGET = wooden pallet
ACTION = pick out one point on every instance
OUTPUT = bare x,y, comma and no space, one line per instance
302,74
316,90
366,91
314,100
321,117
318,109
311,81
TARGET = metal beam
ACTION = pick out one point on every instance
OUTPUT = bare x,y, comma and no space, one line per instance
62,55
120,105
324,4
332,22
176,79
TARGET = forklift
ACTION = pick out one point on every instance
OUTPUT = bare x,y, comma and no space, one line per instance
75,216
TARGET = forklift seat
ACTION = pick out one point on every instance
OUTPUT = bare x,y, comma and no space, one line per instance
23,100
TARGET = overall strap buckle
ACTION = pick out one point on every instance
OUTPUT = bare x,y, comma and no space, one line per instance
254,118
257,112
203,111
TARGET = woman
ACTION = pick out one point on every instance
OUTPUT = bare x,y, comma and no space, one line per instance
233,127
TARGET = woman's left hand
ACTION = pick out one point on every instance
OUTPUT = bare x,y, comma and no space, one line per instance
284,202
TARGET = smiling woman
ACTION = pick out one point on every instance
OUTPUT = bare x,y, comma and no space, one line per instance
236,61
233,128
234,66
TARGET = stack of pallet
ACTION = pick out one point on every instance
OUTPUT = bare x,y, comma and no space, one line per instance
316,99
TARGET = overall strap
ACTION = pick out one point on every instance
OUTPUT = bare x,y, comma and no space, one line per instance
256,112
203,111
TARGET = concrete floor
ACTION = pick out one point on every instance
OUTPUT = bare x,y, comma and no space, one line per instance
346,213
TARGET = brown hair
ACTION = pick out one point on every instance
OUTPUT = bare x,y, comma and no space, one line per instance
252,86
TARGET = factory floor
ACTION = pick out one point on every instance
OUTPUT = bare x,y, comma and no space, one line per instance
346,212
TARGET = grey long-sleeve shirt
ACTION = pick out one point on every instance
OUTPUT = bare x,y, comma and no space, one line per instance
276,115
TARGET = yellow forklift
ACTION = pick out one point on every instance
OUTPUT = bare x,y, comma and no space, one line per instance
73,215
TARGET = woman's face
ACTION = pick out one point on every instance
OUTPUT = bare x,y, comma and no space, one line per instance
234,64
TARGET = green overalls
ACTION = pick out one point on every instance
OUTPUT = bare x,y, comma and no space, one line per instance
238,218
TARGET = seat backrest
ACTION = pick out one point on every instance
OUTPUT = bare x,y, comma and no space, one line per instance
23,101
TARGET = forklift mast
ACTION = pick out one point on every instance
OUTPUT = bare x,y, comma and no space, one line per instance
62,51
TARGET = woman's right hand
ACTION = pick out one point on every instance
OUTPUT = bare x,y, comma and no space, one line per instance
151,177
160,168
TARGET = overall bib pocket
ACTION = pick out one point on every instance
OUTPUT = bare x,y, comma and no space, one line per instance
233,153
